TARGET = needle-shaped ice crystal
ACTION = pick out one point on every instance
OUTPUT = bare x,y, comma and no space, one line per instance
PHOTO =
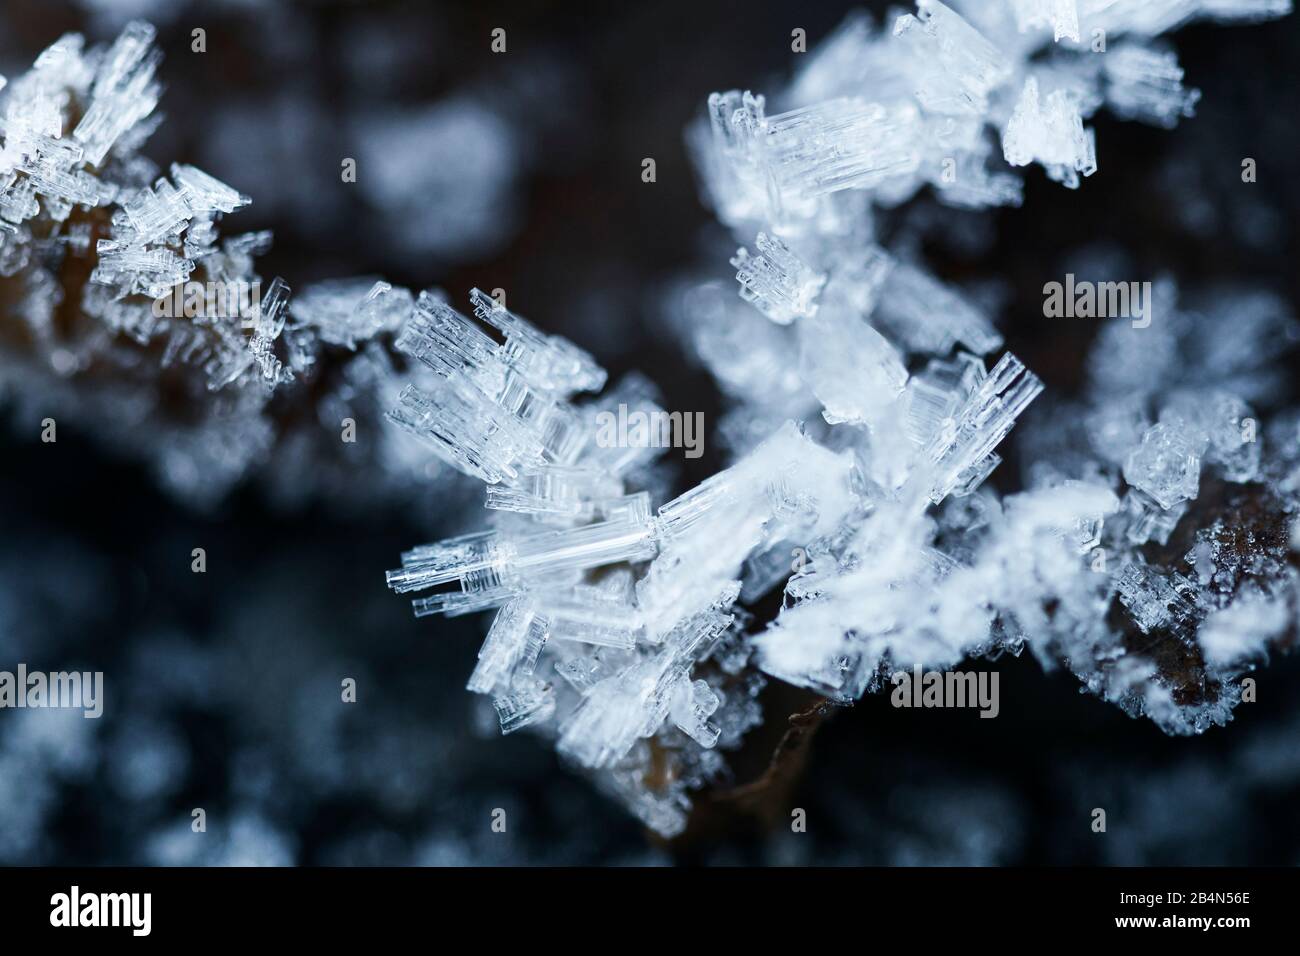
493,408
492,567
961,455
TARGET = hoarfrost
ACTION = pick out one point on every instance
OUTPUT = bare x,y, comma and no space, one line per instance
865,417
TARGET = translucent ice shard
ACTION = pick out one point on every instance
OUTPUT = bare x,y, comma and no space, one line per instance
347,311
1148,520
491,568
163,233
531,703
555,490
601,615
778,167
513,642
1224,424
1167,465
549,362
267,326
634,703
694,704
853,370
839,144
124,92
787,487
961,455
1157,601
956,65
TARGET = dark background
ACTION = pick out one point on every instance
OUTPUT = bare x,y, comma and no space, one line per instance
223,687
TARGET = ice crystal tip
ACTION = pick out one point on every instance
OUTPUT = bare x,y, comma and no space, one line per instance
493,409
1050,132
776,281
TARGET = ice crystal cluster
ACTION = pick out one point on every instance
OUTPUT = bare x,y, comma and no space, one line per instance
1082,567
1151,552
868,399
129,314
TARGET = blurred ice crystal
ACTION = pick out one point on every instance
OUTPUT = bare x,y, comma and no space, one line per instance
1061,15
956,67
1243,629
929,317
442,178
1147,85
130,308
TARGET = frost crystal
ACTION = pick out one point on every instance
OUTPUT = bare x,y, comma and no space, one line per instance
1061,15
1167,465
1051,133
776,281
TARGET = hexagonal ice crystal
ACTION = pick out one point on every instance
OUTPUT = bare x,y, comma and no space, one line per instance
1167,465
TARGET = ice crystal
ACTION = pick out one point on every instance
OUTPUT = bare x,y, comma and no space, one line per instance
1167,465
776,281
1050,132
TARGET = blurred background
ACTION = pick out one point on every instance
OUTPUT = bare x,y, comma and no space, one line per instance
522,171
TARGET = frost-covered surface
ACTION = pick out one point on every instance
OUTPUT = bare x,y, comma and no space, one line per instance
1147,555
